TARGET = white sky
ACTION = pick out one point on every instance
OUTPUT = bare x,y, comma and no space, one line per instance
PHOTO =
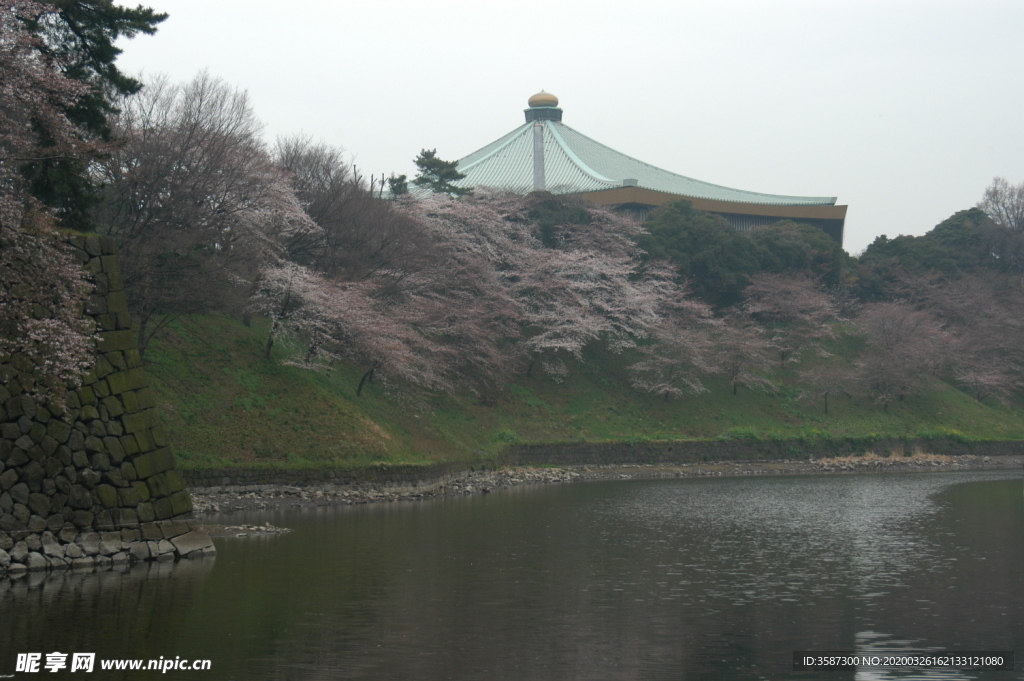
903,110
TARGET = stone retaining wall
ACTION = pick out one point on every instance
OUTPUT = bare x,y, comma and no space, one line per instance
381,476
745,450
573,454
97,485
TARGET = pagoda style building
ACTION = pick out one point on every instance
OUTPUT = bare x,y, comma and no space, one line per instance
545,154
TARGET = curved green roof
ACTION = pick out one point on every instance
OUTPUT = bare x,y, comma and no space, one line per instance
572,163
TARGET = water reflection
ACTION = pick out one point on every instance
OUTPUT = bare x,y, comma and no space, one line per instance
136,612
882,644
50,585
709,579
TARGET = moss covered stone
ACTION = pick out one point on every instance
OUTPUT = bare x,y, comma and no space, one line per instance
118,383
151,463
117,302
181,503
107,496
79,470
112,341
128,496
158,485
139,421
143,489
136,378
145,440
114,406
163,508
58,430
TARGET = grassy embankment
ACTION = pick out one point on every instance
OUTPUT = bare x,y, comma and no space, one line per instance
225,405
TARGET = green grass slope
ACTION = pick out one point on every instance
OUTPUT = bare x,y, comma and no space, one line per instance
225,405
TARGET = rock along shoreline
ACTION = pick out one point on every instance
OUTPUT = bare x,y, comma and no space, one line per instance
239,498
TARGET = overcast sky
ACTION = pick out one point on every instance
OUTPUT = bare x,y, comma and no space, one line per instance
903,110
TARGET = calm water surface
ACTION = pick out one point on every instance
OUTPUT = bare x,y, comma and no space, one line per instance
669,579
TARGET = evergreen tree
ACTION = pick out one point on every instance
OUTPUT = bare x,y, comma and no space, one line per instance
78,37
788,247
398,185
711,255
437,175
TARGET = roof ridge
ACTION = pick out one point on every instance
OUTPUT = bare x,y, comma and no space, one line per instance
580,163
511,137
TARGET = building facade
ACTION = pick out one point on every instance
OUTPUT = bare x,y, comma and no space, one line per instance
545,154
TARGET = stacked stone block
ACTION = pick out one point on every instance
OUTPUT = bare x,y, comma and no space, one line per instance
96,485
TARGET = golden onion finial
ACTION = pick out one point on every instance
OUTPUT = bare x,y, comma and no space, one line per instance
543,99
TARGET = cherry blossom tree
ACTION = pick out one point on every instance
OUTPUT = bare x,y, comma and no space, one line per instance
984,315
587,288
194,200
987,378
793,310
574,298
343,320
681,349
43,331
469,289
470,316
742,353
33,125
827,379
904,346
295,299
45,341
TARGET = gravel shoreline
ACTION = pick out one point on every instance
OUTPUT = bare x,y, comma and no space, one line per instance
236,498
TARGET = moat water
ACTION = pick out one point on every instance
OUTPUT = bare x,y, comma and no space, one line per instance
659,579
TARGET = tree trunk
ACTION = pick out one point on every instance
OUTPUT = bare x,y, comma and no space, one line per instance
270,337
314,346
367,378
277,321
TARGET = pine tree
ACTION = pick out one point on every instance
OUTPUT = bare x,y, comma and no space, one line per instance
438,175
397,185
78,37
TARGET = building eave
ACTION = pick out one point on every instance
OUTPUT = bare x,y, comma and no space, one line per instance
651,197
